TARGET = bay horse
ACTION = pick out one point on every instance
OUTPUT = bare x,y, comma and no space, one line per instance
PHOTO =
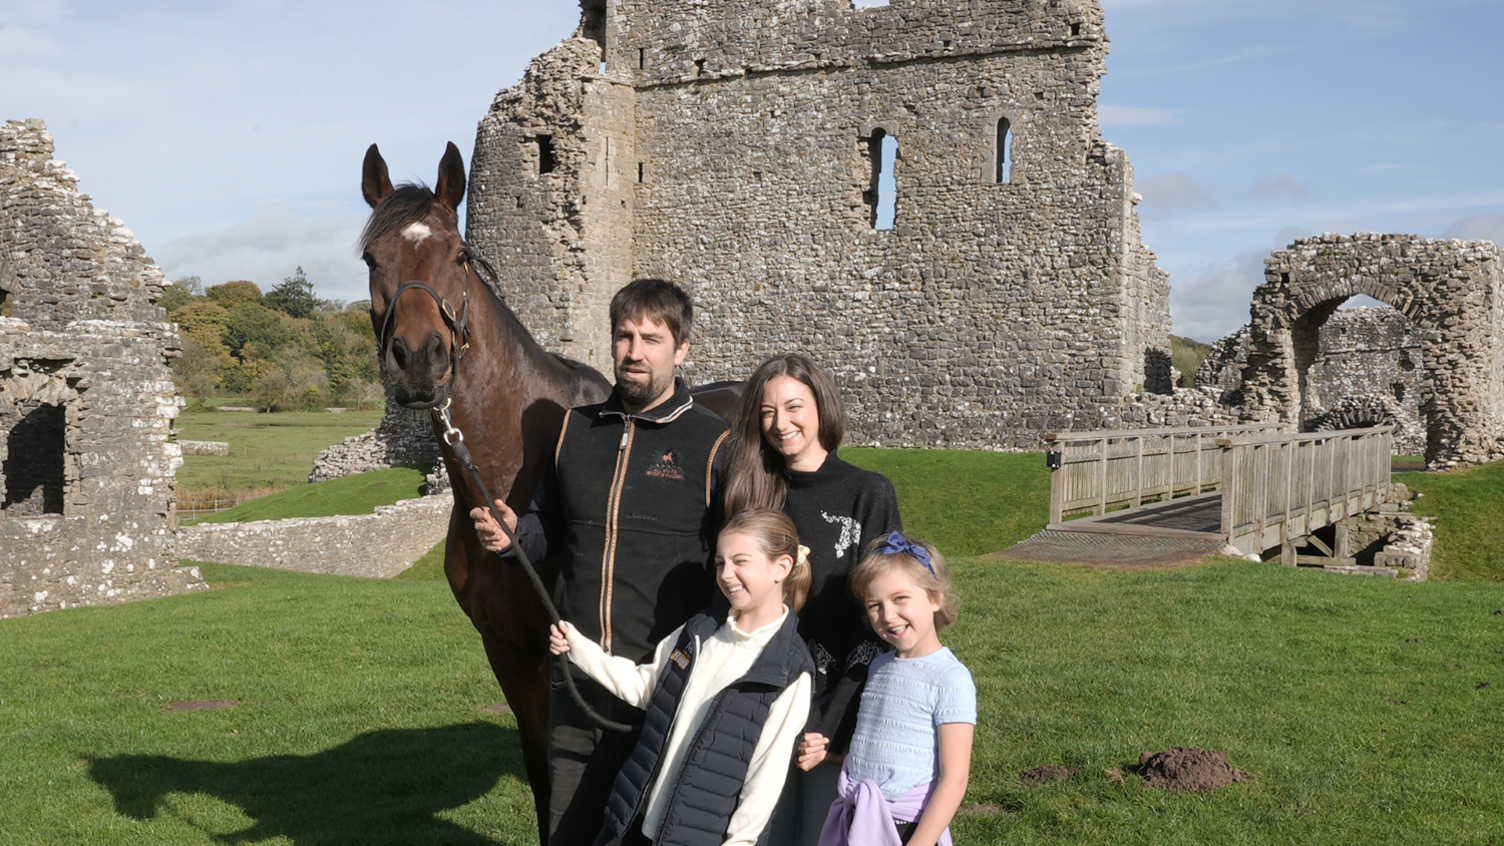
445,337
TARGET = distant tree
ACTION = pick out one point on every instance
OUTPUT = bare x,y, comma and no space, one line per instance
199,369
180,293
204,319
292,380
253,323
359,321
294,297
231,294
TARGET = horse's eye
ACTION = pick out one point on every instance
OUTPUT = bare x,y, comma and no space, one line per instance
369,260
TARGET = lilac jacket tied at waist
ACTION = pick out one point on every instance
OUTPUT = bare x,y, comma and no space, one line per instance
862,815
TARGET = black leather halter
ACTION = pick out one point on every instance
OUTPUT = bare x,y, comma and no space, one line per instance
459,325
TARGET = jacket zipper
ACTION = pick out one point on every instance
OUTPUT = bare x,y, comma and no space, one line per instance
613,510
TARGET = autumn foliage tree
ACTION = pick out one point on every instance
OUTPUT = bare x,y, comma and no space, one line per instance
287,349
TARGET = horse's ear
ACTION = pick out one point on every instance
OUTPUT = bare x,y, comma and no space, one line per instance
451,177
375,184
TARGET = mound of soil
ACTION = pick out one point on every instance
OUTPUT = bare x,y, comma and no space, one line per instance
1188,768
1046,774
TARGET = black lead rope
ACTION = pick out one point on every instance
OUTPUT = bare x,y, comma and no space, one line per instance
456,441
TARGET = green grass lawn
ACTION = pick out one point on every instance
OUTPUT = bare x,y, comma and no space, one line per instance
1365,710
267,451
358,494
1467,510
1358,706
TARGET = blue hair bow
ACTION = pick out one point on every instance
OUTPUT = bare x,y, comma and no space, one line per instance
897,543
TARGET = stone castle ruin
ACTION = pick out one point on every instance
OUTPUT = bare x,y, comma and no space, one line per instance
86,398
1432,364
1367,371
737,147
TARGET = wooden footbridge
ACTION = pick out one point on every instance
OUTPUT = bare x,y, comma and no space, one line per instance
1251,487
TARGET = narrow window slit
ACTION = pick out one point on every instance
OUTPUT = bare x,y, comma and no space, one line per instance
882,192
546,161
1004,171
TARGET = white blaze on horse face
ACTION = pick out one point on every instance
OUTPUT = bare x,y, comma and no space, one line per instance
417,232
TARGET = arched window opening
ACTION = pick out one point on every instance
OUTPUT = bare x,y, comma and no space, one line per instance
1004,148
32,475
882,193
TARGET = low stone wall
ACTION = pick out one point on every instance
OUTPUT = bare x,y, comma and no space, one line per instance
380,545
55,562
403,438
204,447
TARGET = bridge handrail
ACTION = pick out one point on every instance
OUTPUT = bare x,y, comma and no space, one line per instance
1098,470
1281,437
1320,477
1068,436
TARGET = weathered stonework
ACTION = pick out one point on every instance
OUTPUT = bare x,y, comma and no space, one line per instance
86,398
381,544
404,438
733,147
1451,292
1368,371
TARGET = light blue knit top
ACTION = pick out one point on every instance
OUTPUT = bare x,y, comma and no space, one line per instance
896,743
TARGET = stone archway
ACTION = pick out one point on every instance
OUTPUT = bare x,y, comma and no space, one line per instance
1453,292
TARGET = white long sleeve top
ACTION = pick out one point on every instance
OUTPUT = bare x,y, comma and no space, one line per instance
724,658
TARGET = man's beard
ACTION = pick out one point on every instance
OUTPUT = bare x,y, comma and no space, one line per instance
641,393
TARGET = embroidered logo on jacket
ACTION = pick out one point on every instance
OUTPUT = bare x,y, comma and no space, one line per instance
666,467
851,532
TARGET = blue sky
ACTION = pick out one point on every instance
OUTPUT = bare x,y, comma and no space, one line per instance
228,136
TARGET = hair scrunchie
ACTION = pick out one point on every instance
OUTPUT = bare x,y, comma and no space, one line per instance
803,559
897,543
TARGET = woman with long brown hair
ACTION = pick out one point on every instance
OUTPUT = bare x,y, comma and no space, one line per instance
782,456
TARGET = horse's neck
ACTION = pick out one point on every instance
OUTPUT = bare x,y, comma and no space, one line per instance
509,397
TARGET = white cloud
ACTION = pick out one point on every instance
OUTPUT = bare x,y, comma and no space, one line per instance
1214,302
268,248
1478,227
1169,194
1279,186
1132,117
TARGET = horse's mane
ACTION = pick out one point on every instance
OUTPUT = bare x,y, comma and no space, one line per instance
407,204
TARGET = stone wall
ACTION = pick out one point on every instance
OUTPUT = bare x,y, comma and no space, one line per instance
87,401
733,147
1367,371
1450,292
381,544
403,438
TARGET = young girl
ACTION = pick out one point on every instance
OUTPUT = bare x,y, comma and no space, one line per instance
782,449
726,696
910,757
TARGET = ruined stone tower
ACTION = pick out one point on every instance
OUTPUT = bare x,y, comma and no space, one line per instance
735,147
87,464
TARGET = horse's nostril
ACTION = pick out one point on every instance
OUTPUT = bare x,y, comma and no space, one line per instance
435,346
399,354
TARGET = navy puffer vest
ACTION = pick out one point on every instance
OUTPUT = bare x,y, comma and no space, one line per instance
706,791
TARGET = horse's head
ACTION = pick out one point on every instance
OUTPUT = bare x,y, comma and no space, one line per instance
419,268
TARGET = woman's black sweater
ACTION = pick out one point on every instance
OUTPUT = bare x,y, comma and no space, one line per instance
838,510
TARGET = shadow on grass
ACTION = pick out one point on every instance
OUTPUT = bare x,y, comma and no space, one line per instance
383,787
